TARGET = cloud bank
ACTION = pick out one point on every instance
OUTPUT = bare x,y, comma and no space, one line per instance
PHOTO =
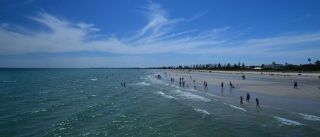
158,36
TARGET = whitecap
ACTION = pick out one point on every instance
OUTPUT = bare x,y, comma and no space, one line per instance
144,84
309,117
194,90
191,96
239,108
40,110
94,79
177,87
93,95
177,91
288,122
165,95
201,111
216,96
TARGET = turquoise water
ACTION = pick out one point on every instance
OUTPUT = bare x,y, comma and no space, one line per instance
91,102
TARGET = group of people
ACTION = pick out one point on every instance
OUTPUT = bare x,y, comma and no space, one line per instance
172,80
248,100
243,77
158,77
123,84
205,84
182,82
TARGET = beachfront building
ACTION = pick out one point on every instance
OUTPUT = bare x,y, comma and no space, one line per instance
257,68
274,65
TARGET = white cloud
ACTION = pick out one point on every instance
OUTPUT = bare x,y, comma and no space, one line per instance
157,36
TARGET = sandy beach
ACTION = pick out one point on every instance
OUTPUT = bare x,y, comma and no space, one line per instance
267,83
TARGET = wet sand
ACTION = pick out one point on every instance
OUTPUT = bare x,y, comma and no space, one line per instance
269,83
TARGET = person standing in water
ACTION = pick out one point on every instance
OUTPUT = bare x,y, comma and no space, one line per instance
295,84
248,97
241,100
257,103
205,85
231,85
183,83
222,84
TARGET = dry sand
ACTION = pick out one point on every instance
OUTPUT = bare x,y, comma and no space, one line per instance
270,83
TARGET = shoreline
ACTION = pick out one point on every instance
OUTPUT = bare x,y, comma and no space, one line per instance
275,73
269,83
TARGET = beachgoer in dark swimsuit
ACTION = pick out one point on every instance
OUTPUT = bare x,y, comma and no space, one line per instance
257,103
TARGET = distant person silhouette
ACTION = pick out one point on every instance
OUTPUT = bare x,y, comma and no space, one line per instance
241,100
248,97
257,103
295,84
243,77
231,85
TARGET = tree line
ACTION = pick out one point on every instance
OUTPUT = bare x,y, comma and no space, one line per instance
315,66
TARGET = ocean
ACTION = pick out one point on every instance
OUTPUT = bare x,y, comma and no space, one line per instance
92,102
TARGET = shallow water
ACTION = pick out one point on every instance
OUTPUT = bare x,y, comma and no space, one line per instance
91,102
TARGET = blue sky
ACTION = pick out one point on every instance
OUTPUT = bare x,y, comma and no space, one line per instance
126,33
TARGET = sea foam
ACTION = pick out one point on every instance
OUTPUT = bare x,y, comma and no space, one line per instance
143,84
309,117
239,108
165,95
288,122
191,96
201,111
215,96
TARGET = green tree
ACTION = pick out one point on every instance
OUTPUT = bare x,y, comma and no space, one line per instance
317,62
